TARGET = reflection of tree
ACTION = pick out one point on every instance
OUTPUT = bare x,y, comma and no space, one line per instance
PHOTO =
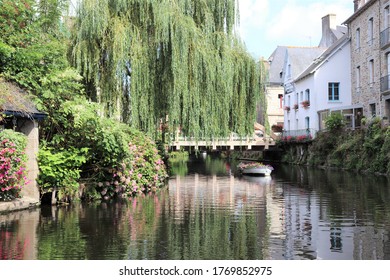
108,235
179,168
183,227
59,235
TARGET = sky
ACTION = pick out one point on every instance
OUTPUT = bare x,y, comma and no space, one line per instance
266,24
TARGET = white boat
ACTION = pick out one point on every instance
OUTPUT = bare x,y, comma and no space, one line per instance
255,168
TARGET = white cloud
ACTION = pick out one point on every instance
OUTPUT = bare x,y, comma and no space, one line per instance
253,15
302,23
265,24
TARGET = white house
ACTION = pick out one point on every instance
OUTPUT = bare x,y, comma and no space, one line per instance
297,59
324,86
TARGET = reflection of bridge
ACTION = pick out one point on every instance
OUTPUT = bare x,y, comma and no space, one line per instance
258,141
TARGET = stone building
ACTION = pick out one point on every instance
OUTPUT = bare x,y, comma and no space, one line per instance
21,115
370,57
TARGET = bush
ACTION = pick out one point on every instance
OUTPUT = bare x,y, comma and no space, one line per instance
334,121
12,164
60,170
141,170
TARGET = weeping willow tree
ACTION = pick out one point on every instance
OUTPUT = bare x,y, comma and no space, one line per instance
173,61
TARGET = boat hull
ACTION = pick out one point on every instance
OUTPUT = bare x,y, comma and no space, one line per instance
259,171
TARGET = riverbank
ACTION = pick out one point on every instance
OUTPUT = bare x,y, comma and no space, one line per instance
18,204
365,150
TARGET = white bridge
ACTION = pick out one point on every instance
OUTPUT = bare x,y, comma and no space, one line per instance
231,143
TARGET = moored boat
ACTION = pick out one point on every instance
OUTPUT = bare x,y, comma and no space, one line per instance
255,168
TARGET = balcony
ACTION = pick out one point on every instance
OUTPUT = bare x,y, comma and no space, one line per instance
385,84
385,37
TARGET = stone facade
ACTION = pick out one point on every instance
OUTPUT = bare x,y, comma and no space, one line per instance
369,63
30,129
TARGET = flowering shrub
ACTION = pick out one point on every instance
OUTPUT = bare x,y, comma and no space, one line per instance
244,165
12,164
297,139
141,171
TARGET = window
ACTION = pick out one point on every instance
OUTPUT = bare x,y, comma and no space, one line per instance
307,95
307,122
370,30
358,38
373,110
371,70
301,96
289,101
358,77
280,97
333,91
386,18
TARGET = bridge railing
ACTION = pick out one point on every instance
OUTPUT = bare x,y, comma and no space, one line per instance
232,141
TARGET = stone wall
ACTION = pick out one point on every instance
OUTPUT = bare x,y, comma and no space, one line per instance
369,93
361,54
30,129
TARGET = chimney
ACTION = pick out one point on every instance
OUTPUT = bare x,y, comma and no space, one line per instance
328,37
356,5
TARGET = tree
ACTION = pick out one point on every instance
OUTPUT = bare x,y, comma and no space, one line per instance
151,61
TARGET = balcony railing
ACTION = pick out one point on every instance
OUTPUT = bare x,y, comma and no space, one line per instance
308,133
385,37
385,83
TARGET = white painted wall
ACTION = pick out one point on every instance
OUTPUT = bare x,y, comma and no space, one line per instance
337,68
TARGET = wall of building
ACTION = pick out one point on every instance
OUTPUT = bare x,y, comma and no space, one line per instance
275,105
30,128
298,116
366,91
336,69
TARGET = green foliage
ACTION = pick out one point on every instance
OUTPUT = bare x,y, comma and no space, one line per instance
60,170
30,45
148,60
12,164
334,121
178,157
366,149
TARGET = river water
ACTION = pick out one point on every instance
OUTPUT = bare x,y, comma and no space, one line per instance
207,212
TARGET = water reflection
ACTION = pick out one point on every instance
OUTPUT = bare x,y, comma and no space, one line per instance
209,213
18,239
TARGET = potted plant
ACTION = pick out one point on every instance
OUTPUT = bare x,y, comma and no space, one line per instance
305,103
296,106
287,108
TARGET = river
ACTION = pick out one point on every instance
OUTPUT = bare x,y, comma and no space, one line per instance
206,212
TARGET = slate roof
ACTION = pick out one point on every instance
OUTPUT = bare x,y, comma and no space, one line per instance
17,102
312,67
340,31
276,61
301,57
